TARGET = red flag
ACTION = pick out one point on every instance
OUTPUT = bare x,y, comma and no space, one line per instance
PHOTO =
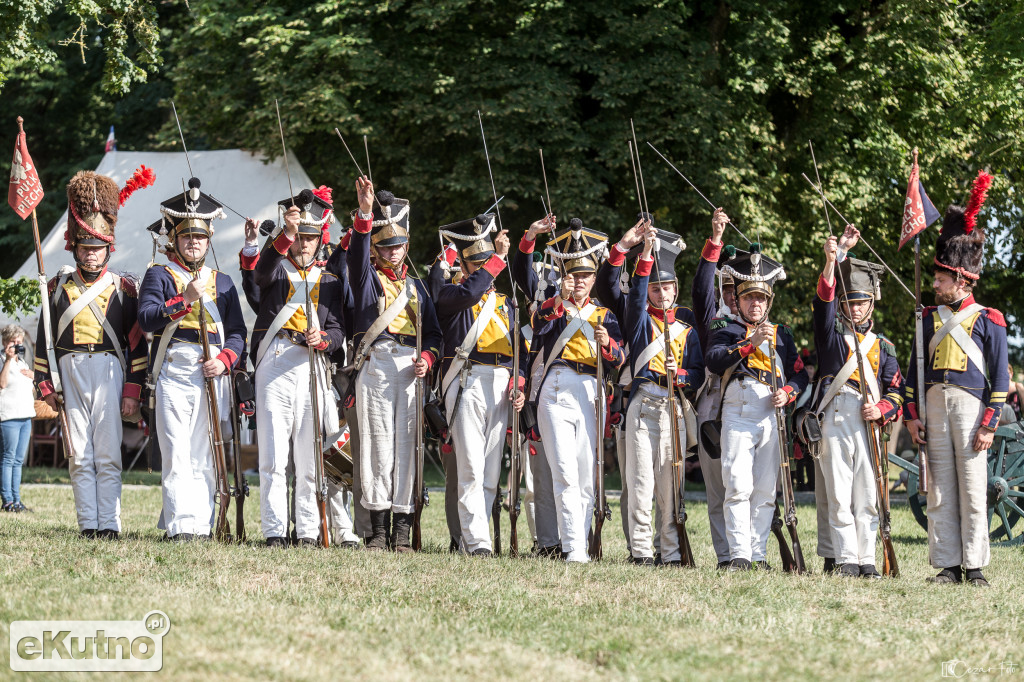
918,212
25,191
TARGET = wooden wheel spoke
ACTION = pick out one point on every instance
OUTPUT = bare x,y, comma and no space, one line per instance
1007,528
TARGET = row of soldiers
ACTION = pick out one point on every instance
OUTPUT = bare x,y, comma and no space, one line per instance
715,377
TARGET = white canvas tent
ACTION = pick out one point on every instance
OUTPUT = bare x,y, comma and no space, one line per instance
236,178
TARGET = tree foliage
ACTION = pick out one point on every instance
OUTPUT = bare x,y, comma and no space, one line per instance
730,91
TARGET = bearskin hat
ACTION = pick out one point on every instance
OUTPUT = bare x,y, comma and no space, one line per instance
961,243
92,210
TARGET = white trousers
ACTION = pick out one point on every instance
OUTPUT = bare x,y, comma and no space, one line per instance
649,470
750,467
478,426
284,424
958,480
92,396
339,513
849,480
545,518
825,547
386,396
568,428
183,431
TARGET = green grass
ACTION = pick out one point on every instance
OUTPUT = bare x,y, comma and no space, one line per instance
244,612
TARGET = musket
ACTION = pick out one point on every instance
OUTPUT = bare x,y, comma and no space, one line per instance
515,450
319,480
44,312
221,529
792,562
890,567
601,509
419,494
240,490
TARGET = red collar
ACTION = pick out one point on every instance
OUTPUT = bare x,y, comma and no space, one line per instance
390,274
659,313
957,307
579,306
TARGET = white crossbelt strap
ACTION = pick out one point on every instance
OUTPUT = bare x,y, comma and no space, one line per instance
382,322
295,301
88,295
578,322
98,314
476,330
951,327
847,370
656,346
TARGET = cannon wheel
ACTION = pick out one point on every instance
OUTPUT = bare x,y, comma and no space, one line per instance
1005,486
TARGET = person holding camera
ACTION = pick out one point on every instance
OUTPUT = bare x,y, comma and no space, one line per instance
16,411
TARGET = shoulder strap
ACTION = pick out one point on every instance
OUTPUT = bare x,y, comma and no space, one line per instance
951,326
571,327
846,371
476,330
382,322
98,314
296,301
87,294
658,344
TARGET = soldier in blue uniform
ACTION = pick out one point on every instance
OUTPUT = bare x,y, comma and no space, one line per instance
656,370
574,334
845,456
478,379
740,353
966,380
99,352
171,299
388,304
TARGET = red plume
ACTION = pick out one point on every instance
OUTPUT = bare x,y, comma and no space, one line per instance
142,177
324,192
978,193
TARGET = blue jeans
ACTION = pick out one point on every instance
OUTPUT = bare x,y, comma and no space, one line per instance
16,433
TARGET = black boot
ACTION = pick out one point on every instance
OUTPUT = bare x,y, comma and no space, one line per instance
738,565
88,533
378,542
975,577
948,576
277,542
848,570
829,567
870,572
403,525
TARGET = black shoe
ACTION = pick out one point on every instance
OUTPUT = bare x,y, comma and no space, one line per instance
974,577
948,576
108,534
722,565
8,507
277,542
552,552
848,571
307,542
481,552
641,560
829,567
739,565
763,565
378,542
658,561
870,572
89,533
453,546
349,544
403,528
183,537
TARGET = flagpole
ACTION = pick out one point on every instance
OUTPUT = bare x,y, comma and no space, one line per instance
922,460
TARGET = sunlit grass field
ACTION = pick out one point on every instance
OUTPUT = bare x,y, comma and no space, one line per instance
242,612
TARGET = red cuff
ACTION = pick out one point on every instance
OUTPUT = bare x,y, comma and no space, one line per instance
45,388
644,266
911,410
494,265
616,257
429,357
986,419
324,343
362,226
180,298
789,391
283,243
132,391
826,292
345,239
521,382
609,352
248,262
711,251
228,357
548,311
746,349
527,245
